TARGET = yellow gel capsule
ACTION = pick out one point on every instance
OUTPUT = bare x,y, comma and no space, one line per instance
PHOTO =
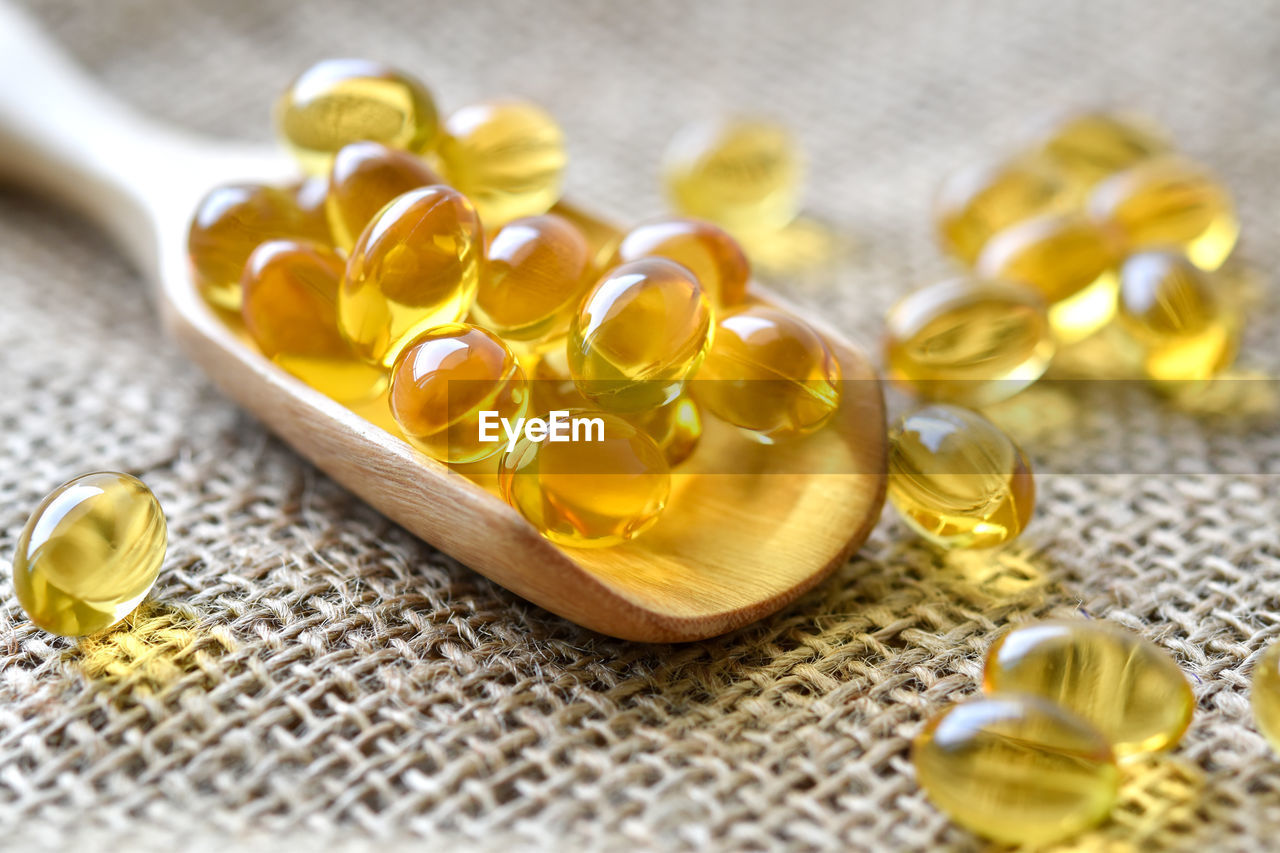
741,173
1265,695
957,479
364,178
450,388
968,341
339,101
705,250
975,203
1169,203
1016,769
89,553
1123,685
228,225
507,156
536,269
290,310
676,428
638,334
1167,305
416,265
602,236
1094,145
1068,261
769,374
605,486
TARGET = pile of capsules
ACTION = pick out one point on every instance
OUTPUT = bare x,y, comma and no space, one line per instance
1098,224
1040,756
429,264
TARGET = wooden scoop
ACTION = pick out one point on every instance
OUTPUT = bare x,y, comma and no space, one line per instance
729,548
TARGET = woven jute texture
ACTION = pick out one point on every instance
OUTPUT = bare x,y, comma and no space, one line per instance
307,674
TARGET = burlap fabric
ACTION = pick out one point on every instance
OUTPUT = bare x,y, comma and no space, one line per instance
306,674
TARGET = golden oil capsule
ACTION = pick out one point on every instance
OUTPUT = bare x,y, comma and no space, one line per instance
1265,695
1126,687
604,486
1169,203
1016,769
290,310
1091,146
535,271
638,334
741,173
364,178
339,101
1068,261
968,341
982,200
89,553
1168,306
957,479
676,428
228,225
450,388
602,236
769,374
507,156
416,265
705,250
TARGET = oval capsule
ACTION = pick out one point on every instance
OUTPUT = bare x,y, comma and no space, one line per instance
416,265
706,250
535,272
89,554
339,101
1265,695
1168,305
957,479
638,334
1169,203
769,374
606,485
1016,769
452,387
1091,146
364,178
507,156
978,202
1125,686
968,341
1068,261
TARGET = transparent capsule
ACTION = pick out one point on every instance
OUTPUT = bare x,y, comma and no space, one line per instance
536,270
339,101
416,265
1169,203
507,156
705,250
638,334
1265,695
451,387
676,428
969,341
1091,146
364,178
741,173
769,374
1168,305
290,310
1126,687
228,225
978,202
1068,261
604,486
1016,769
957,479
89,553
